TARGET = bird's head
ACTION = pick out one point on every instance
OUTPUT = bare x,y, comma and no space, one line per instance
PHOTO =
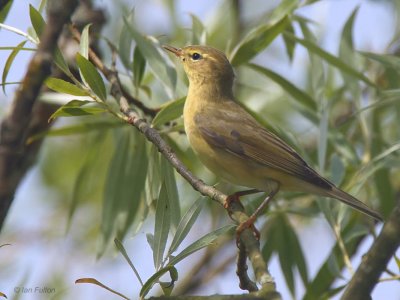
204,64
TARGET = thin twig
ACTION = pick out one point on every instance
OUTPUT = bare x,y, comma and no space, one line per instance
346,257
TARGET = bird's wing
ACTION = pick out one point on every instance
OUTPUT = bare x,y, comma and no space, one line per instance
249,140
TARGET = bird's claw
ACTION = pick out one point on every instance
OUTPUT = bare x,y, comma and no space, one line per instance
248,224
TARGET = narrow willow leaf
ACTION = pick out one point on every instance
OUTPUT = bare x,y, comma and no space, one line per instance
198,31
138,66
125,47
257,40
91,76
9,62
42,5
115,189
3,295
323,136
81,127
397,259
329,58
4,11
59,60
85,42
81,184
161,227
389,61
157,63
122,250
204,241
186,224
74,108
135,174
154,279
324,278
168,175
289,44
286,7
37,20
96,282
169,111
65,87
299,95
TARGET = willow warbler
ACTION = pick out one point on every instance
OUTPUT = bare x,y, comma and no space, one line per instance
232,144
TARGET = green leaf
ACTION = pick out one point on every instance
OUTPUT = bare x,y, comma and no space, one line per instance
65,87
164,72
204,241
389,61
122,250
136,174
4,10
85,42
124,184
282,239
91,76
286,7
138,66
257,40
186,224
154,279
168,176
329,58
289,44
59,60
125,47
81,127
162,226
73,109
88,173
169,111
299,95
116,190
198,31
96,282
9,62
397,260
323,135
37,20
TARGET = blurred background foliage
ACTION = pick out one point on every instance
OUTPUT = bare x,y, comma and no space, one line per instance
103,180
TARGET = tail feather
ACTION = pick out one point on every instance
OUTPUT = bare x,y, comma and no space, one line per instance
353,202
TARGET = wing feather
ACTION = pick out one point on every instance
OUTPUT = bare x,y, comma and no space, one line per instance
250,141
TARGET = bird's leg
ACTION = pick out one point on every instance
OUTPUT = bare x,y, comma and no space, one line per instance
236,197
249,223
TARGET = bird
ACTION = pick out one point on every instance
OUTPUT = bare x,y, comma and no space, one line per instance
234,145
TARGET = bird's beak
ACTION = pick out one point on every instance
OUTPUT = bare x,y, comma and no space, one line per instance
177,51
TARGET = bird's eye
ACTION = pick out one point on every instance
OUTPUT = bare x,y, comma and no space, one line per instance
196,56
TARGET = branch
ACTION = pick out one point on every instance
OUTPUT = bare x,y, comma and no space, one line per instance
14,128
236,210
376,260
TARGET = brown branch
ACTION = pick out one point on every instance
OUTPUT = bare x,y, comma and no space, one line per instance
15,127
376,260
241,271
236,210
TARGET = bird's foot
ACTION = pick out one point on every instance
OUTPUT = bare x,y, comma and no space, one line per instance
248,224
235,198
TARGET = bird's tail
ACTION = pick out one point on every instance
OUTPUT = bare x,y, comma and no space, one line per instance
353,202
